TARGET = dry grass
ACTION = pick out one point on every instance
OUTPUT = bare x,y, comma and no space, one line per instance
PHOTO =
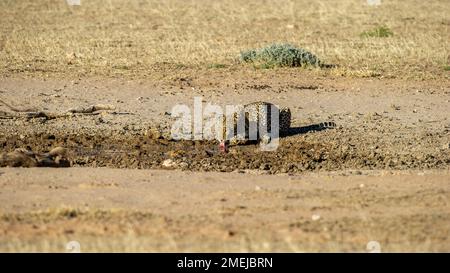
135,244
157,38
119,230
138,38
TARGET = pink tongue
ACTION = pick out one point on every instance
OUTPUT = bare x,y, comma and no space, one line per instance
223,147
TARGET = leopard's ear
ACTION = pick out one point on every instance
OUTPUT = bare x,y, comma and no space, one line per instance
285,110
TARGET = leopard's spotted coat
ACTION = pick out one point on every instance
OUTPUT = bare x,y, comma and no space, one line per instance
256,115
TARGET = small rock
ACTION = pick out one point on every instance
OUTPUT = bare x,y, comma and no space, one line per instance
395,107
153,133
174,153
315,217
168,163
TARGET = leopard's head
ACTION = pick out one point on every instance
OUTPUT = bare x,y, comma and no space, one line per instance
285,119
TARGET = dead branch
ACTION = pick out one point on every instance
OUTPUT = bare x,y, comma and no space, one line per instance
33,113
92,108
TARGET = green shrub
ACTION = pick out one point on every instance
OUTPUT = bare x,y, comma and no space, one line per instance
281,55
378,32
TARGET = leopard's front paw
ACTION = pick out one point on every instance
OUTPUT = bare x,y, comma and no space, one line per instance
265,139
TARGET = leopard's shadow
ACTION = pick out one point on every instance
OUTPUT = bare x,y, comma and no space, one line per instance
301,130
310,128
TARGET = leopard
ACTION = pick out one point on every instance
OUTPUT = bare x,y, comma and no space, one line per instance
256,116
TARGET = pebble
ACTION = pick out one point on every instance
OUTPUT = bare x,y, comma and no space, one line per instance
168,163
153,133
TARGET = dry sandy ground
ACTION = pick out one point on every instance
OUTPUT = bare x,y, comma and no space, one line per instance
381,175
151,210
381,124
